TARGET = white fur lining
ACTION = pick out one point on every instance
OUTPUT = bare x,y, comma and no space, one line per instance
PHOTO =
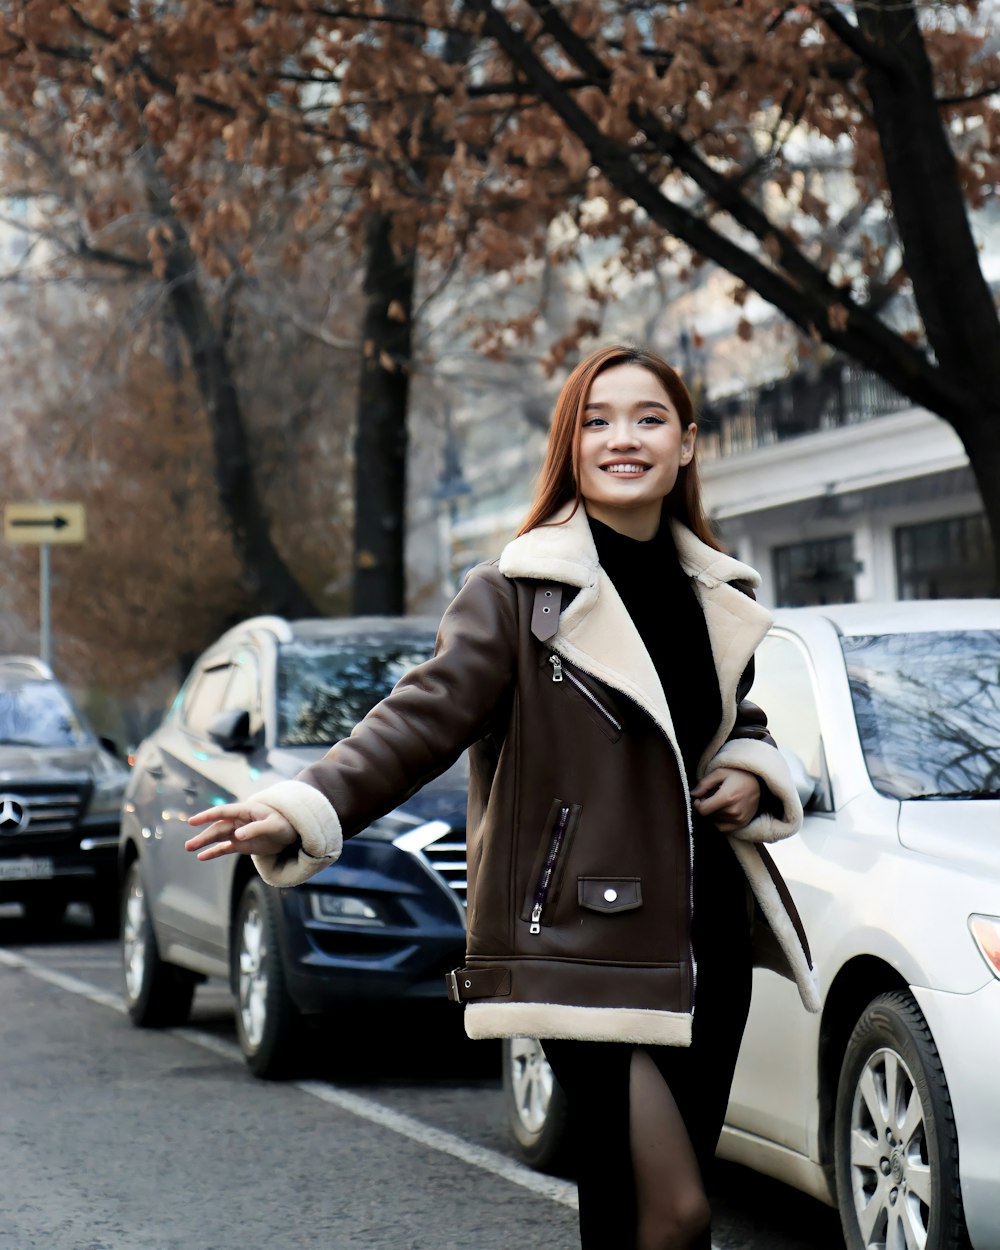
766,762
597,633
312,817
585,1024
766,893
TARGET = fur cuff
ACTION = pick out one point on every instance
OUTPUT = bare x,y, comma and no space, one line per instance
317,824
766,762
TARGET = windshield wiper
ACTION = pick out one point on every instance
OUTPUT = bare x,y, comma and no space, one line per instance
957,794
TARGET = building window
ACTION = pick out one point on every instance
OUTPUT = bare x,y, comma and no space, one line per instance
815,572
950,559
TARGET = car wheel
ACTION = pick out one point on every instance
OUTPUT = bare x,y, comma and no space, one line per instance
535,1104
896,1149
268,1024
157,994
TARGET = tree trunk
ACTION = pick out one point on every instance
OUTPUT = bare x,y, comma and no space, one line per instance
380,441
269,579
979,438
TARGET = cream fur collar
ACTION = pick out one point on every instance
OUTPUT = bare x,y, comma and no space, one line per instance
564,551
597,634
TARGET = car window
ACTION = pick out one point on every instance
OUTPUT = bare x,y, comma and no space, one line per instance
325,688
205,699
783,687
39,714
928,711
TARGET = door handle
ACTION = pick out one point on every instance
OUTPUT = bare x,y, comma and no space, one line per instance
155,771
191,789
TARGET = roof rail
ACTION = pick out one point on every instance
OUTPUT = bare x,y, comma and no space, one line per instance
276,624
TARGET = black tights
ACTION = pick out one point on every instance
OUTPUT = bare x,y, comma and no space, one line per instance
645,1120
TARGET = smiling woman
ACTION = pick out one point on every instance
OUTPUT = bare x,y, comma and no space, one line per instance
632,446
597,673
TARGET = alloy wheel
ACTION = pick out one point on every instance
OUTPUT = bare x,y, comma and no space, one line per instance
253,979
134,937
890,1171
531,1082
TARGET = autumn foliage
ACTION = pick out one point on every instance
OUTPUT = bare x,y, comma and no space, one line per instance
827,155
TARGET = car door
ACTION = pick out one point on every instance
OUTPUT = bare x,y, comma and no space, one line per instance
185,889
774,1091
220,777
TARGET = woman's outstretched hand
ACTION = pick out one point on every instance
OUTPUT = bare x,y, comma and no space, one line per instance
248,828
729,797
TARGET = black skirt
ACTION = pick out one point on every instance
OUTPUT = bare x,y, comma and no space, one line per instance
595,1075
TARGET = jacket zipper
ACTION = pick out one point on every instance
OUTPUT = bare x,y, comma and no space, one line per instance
548,868
558,674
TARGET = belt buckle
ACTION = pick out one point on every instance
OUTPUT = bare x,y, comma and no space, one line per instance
451,980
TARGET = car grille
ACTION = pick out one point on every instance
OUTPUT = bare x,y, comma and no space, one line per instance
447,856
50,809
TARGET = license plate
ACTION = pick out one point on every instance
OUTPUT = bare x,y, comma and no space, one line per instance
25,869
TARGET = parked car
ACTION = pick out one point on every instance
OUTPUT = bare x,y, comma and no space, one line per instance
387,921
887,1104
60,793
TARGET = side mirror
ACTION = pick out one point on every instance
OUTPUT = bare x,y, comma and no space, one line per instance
231,730
806,785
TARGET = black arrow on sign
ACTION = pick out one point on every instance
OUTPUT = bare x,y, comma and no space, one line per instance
55,522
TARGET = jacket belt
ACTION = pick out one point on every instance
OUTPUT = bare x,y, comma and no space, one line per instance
466,983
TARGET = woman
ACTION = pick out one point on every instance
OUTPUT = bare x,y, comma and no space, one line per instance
621,788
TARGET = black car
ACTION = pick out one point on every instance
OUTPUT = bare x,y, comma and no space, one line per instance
386,922
60,794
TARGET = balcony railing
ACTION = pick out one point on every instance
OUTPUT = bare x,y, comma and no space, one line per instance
839,394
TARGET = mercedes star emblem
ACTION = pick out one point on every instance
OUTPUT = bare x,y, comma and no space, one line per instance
13,817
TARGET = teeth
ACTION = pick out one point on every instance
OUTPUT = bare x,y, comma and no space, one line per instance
625,468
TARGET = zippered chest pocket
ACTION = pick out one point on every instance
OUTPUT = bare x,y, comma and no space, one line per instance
548,869
606,717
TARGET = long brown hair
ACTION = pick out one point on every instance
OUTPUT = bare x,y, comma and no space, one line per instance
559,480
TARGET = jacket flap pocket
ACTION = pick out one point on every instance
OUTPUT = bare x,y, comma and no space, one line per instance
609,894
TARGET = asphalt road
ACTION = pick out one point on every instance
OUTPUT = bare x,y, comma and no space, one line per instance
113,1138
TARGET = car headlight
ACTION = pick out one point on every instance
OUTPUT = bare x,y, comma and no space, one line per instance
986,931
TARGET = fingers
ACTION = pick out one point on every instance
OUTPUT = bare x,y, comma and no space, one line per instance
232,831
225,811
729,796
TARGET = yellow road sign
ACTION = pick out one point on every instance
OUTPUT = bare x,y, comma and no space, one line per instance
44,523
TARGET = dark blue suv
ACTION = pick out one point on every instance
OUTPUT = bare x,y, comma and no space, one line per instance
387,921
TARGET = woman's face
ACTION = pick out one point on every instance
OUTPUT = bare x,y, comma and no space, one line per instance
631,447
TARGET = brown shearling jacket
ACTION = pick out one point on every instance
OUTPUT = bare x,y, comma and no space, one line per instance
579,825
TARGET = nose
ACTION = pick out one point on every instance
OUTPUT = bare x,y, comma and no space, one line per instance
622,433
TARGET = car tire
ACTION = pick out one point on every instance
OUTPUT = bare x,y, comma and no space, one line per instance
535,1105
896,1146
268,1024
157,994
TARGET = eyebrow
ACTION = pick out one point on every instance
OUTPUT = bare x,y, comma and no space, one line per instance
643,403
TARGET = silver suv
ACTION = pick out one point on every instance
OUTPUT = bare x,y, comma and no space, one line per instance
60,798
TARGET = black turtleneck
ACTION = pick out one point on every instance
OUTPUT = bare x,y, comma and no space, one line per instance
661,601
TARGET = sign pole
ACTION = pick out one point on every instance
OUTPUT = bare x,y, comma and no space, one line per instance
44,602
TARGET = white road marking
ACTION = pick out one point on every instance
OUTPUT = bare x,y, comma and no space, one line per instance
563,1192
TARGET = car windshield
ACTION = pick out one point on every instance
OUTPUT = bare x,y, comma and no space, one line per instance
38,714
326,687
928,711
